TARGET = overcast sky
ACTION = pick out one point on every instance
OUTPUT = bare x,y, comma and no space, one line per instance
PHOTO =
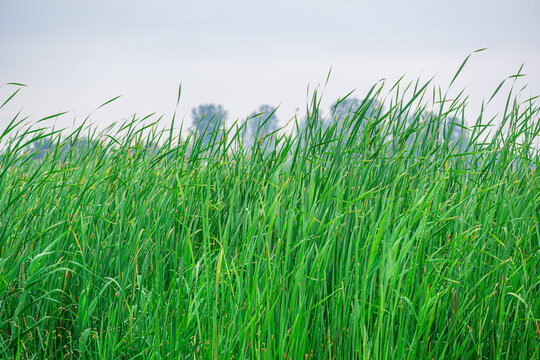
74,55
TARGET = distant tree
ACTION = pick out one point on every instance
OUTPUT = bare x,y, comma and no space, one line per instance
450,129
341,108
207,117
38,150
264,118
350,106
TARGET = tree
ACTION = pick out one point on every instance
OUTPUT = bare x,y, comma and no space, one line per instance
350,106
449,129
40,149
208,117
341,108
263,120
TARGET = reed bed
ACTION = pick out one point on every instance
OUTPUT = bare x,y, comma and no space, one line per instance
377,235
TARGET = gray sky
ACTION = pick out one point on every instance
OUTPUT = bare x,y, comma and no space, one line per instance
74,55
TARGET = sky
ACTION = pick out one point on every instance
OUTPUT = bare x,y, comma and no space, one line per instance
75,55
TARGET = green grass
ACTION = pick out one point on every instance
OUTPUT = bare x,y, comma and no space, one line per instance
389,240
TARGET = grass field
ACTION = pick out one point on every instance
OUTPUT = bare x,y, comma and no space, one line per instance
379,236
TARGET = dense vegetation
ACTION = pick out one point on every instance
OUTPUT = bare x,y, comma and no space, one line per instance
377,234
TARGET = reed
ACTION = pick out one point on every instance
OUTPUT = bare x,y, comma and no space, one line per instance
378,235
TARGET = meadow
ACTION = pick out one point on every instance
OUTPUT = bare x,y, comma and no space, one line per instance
376,235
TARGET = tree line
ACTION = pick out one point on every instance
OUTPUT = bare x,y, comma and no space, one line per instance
209,118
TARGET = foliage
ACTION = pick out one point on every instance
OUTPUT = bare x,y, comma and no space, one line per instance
264,118
208,119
